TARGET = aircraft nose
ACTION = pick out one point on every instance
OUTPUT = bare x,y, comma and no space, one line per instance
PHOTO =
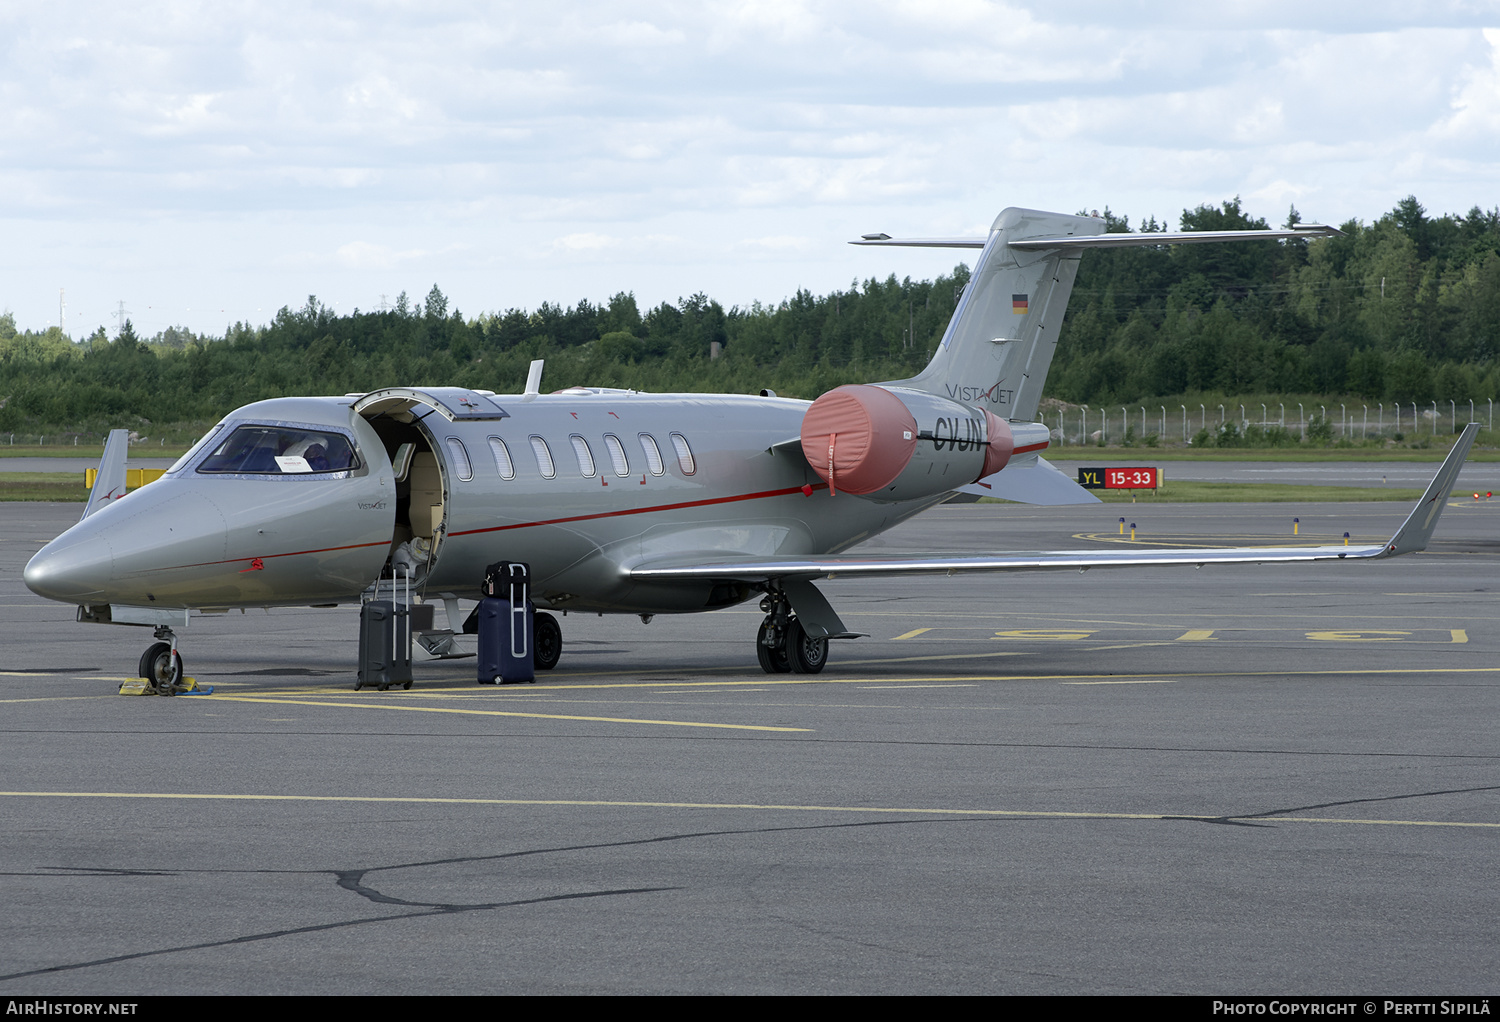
72,568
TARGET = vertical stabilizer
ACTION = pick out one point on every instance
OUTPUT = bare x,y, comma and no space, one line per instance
998,347
109,484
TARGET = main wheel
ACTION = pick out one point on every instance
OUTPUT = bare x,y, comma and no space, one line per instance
161,667
773,659
547,647
808,656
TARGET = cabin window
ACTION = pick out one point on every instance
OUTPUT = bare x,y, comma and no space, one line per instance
585,456
543,458
460,456
281,450
503,464
401,461
684,454
653,454
616,454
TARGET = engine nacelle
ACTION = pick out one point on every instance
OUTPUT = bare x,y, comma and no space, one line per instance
893,444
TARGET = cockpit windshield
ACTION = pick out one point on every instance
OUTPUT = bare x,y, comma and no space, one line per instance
192,452
281,450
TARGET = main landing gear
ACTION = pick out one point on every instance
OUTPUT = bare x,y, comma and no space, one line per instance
782,645
546,642
161,665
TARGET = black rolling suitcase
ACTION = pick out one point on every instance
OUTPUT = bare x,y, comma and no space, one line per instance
384,646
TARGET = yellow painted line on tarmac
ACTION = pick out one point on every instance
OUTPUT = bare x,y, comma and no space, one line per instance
1127,681
750,806
822,680
940,656
923,685
493,713
911,634
47,699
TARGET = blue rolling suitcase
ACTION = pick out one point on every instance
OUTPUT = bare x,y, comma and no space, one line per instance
506,625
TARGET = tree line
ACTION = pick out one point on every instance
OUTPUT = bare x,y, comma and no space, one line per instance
1406,308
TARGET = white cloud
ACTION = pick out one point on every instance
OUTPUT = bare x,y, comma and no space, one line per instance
485,145
365,255
584,242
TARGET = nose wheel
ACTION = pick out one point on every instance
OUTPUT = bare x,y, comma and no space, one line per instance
161,664
782,645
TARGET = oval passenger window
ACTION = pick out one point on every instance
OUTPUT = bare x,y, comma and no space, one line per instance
617,454
585,456
460,456
653,454
543,457
684,454
503,464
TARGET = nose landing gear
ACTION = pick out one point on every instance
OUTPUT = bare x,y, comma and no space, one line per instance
161,665
782,645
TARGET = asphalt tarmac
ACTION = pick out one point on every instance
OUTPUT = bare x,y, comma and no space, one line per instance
1235,780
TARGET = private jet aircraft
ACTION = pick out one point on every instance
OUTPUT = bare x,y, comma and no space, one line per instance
624,502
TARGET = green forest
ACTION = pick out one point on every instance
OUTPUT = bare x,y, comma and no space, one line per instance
1404,309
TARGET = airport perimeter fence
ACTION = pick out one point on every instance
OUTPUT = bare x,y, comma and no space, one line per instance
1151,424
79,438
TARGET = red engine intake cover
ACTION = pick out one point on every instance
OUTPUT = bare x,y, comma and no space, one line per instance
1002,444
859,438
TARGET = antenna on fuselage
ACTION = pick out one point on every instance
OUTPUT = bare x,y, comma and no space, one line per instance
534,378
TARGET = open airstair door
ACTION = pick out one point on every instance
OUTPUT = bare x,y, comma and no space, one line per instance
456,404
403,418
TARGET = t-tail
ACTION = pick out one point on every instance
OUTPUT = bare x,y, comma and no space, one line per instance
986,378
998,347
999,343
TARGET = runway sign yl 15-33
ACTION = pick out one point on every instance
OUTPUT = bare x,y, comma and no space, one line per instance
1119,478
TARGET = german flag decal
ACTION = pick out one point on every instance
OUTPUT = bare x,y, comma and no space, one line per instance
1018,304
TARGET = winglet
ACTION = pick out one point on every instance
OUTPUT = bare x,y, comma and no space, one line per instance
109,484
1417,529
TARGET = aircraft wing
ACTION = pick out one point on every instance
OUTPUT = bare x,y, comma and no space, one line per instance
1413,534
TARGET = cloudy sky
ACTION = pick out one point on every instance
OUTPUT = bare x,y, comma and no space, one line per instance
207,163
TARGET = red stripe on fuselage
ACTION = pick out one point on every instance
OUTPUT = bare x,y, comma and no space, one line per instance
642,510
292,553
526,525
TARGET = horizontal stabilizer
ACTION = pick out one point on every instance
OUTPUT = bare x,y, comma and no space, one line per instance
1307,231
1039,483
889,242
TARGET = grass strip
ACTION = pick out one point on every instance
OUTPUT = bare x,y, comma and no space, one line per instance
56,486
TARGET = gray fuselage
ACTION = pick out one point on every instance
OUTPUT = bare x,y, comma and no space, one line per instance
206,540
